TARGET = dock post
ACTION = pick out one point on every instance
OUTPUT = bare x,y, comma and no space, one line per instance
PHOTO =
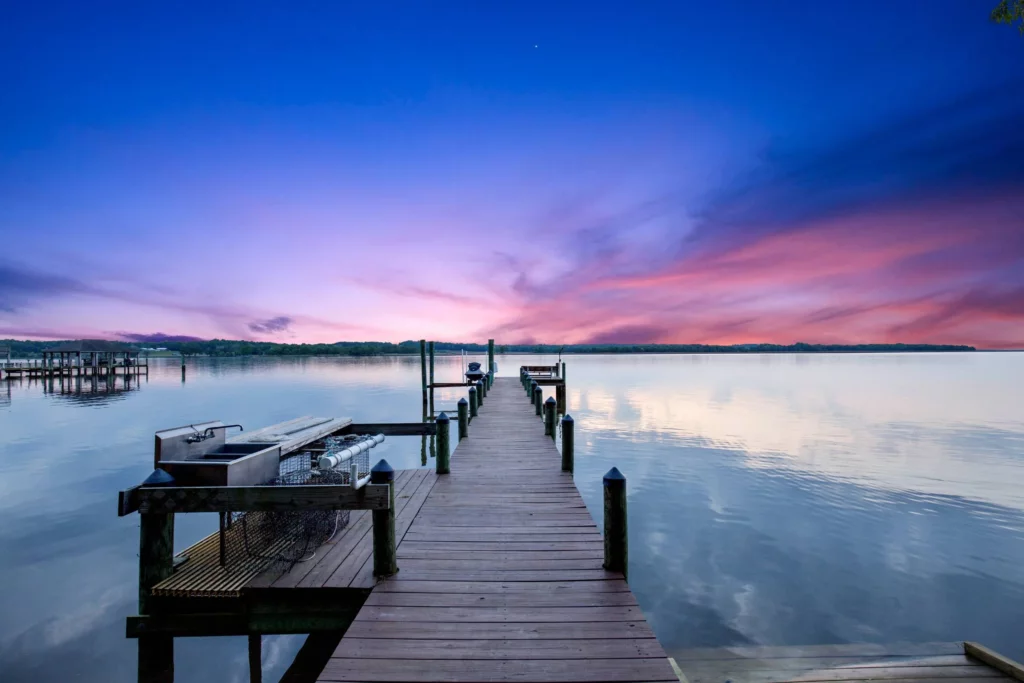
182,369
538,399
524,377
490,363
463,418
385,561
568,464
560,398
481,388
444,451
156,563
423,375
616,538
472,402
255,658
563,370
549,417
431,379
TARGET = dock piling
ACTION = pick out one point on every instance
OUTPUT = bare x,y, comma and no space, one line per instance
423,375
255,658
385,561
490,363
472,402
549,417
463,418
616,538
156,563
568,464
431,379
538,399
443,443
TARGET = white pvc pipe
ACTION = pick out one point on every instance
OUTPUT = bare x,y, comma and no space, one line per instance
332,460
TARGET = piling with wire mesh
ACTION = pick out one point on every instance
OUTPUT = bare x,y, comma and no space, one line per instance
616,539
385,558
568,424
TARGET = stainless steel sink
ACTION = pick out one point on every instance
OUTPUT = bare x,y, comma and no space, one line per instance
234,451
213,461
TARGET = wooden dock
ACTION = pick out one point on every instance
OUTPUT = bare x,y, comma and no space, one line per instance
485,567
500,575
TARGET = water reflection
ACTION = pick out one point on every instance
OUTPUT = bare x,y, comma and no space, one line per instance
773,499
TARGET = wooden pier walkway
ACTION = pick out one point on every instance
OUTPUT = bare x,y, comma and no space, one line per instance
500,575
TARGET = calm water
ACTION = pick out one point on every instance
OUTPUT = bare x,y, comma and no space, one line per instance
782,500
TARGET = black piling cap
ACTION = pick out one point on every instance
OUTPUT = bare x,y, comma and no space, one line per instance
443,417
382,473
551,400
159,478
614,477
568,418
463,401
472,388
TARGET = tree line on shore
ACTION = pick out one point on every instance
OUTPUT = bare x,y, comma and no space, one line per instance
225,347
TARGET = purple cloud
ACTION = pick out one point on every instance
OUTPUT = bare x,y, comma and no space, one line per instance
279,324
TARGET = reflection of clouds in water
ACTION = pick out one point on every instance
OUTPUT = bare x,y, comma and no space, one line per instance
769,433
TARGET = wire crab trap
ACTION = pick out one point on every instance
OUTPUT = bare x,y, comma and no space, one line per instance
285,538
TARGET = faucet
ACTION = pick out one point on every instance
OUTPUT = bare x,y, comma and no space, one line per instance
207,433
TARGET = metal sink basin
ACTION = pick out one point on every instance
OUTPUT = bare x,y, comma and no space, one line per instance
234,451
228,464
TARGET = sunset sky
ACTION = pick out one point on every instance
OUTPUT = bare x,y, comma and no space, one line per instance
717,172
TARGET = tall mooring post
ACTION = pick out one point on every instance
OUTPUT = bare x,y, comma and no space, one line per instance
490,363
385,559
423,375
549,417
431,379
444,450
616,537
568,424
463,418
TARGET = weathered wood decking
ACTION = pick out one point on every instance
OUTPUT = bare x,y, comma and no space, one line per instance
500,574
902,662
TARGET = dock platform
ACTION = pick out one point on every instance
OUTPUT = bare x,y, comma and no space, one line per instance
500,575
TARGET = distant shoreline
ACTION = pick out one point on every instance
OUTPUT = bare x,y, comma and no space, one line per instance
228,348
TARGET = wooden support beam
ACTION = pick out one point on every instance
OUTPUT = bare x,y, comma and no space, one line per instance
224,624
443,385
393,428
156,563
255,658
250,498
995,660
549,381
